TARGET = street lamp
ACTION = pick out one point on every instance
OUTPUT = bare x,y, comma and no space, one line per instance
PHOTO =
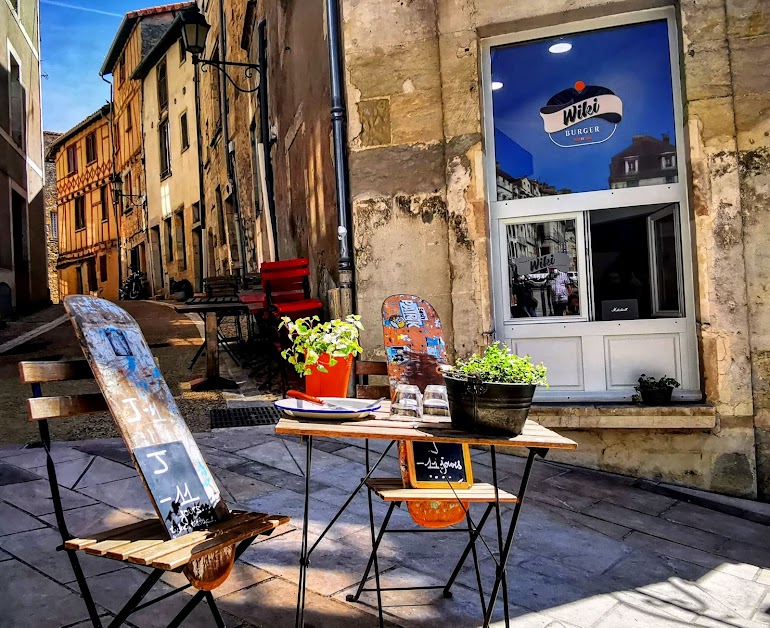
195,29
117,193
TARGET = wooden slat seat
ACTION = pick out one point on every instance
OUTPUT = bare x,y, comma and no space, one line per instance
393,490
146,542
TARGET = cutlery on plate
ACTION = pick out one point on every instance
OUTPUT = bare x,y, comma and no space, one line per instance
296,394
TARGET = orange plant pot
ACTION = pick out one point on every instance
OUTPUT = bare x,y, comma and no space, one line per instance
333,383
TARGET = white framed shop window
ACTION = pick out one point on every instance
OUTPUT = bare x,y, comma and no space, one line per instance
586,183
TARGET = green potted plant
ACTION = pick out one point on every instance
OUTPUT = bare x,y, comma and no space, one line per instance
492,392
323,352
655,392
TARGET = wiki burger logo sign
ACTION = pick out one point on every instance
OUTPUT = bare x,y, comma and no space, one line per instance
582,115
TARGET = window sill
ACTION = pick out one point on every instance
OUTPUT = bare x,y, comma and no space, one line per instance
624,416
165,175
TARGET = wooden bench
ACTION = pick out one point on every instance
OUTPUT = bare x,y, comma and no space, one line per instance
206,557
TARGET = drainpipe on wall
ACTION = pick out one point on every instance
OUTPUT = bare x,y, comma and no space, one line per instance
341,174
264,130
115,207
201,198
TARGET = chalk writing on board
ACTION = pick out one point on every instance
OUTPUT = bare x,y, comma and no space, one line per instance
176,488
439,464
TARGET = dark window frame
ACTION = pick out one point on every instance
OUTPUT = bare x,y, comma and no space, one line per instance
102,268
80,213
72,159
184,132
104,199
164,147
91,148
168,228
161,80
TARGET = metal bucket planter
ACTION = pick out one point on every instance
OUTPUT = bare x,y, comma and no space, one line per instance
488,408
656,396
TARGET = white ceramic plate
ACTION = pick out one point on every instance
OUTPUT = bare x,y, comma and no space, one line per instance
305,410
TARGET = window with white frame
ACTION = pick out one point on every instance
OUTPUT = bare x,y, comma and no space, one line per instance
592,271
16,100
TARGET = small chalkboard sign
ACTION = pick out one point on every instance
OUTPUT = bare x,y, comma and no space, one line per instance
174,484
439,465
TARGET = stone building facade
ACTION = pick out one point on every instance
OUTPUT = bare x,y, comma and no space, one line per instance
23,280
419,172
421,104
51,217
171,165
137,34
87,220
235,229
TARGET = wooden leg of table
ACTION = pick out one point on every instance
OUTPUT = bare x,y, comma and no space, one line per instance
212,346
212,381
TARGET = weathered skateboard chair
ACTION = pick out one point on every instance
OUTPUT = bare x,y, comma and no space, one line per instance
195,532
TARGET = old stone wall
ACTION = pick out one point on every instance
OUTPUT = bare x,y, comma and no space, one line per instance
420,215
746,25
51,235
302,154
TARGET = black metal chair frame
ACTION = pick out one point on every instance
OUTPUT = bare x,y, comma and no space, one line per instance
134,603
473,529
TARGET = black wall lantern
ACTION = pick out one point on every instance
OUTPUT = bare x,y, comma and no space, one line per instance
117,193
195,29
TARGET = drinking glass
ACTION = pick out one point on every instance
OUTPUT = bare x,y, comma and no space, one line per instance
407,402
436,401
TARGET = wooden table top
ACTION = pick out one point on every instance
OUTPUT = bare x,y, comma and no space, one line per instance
382,427
210,307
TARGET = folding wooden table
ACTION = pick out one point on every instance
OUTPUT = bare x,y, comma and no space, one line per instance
537,439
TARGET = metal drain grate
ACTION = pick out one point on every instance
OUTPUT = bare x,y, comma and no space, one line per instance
261,413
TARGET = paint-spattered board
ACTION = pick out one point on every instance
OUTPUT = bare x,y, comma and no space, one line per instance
414,345
169,462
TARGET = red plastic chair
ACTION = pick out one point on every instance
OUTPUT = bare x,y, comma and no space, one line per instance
287,289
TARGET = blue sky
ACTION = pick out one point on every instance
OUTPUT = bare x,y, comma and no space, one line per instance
632,61
76,35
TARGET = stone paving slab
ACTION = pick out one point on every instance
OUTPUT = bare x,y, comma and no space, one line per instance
591,549
36,600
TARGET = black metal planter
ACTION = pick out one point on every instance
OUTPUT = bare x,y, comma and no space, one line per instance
488,408
656,396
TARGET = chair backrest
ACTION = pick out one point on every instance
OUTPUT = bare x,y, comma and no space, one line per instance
222,286
41,409
287,280
365,390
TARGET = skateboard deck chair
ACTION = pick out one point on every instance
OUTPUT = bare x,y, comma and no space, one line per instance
202,541
414,343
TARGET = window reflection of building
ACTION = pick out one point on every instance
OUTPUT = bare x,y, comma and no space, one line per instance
532,275
511,188
648,161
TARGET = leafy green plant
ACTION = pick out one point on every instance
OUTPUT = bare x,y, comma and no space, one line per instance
498,365
647,382
311,339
